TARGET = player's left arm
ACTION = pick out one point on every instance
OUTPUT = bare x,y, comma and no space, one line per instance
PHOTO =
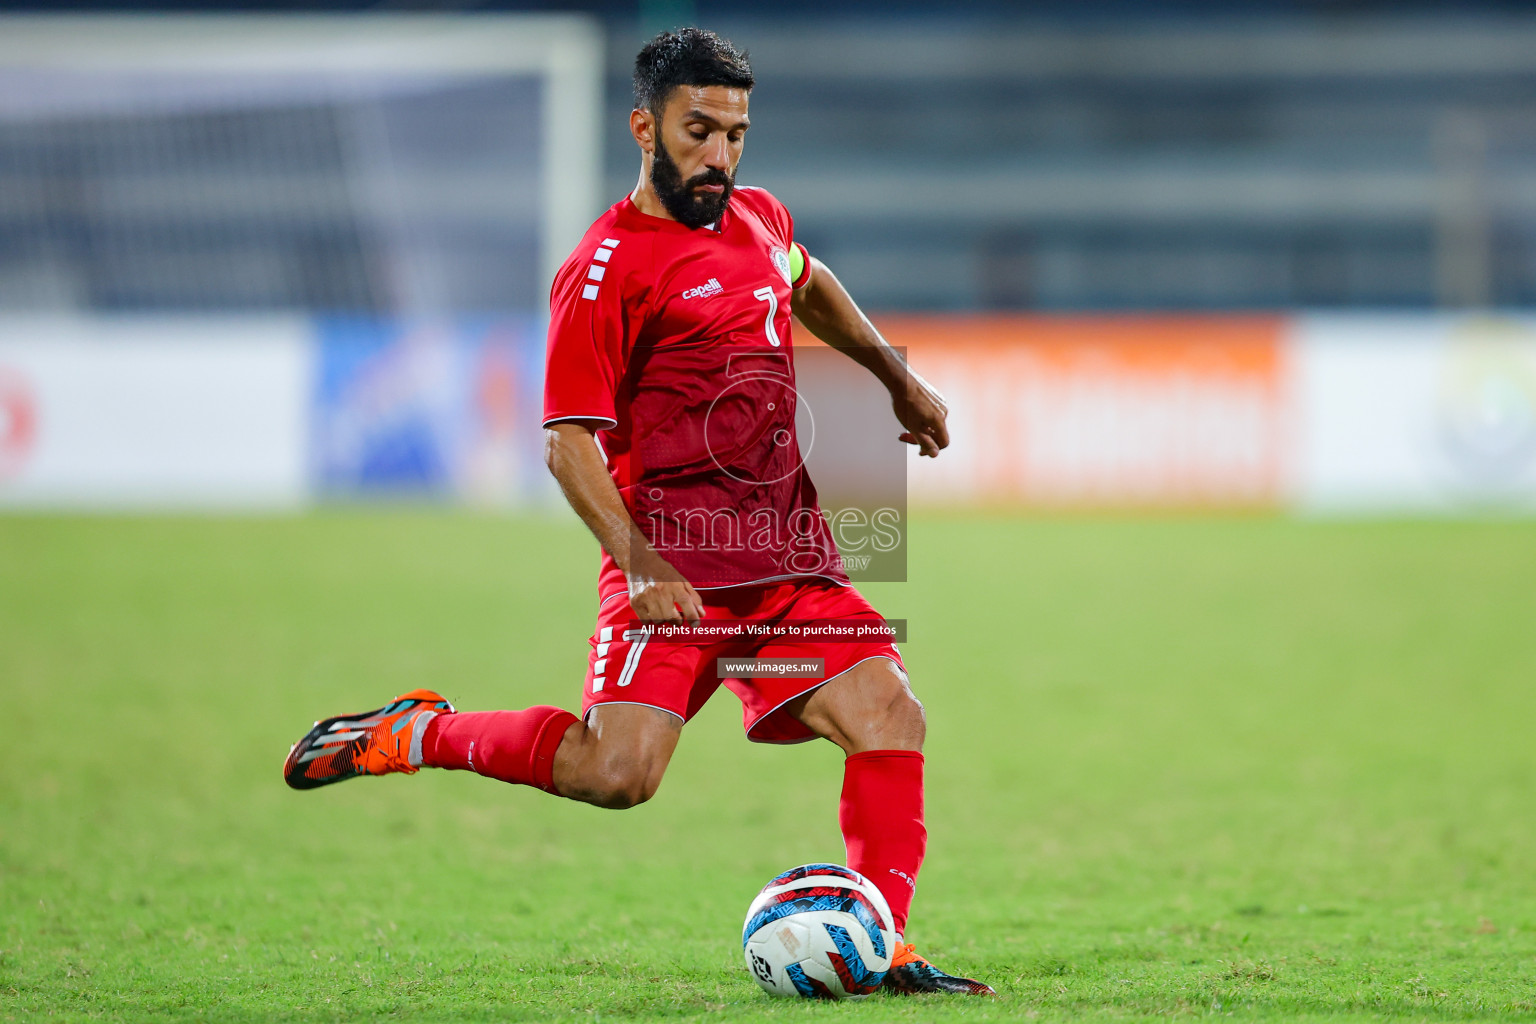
826,309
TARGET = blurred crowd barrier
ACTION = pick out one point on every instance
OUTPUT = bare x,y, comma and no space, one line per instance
1353,413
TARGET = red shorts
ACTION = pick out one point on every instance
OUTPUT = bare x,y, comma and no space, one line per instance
631,665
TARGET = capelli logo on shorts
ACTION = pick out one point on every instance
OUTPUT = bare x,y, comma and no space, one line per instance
705,290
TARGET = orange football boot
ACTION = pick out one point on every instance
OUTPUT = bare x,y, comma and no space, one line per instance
911,974
372,743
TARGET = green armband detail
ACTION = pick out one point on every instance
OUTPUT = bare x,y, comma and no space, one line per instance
796,262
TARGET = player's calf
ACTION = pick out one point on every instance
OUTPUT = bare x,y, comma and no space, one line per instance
511,746
871,713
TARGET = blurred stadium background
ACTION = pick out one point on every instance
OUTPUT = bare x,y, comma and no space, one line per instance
1269,255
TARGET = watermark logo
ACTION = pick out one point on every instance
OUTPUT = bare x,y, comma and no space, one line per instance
861,535
764,464
760,404
757,632
771,668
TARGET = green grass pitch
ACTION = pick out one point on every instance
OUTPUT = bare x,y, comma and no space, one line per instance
1229,767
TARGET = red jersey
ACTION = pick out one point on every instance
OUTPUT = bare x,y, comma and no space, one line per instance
678,339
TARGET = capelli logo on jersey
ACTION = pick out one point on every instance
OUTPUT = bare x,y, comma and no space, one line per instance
705,290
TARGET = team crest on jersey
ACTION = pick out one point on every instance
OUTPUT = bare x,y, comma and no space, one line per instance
780,260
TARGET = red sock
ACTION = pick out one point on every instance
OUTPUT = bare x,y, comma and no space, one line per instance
513,746
881,815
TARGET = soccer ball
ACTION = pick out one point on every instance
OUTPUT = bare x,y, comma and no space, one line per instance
820,931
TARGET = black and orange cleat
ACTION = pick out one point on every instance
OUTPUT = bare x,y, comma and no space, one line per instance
371,743
911,974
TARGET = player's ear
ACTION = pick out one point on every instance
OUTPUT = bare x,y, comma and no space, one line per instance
642,125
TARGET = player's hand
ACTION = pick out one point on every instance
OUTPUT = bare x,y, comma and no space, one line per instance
658,592
923,411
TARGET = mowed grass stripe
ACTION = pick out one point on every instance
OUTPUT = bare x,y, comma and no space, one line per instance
1260,768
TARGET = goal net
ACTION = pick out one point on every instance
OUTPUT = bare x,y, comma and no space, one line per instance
398,165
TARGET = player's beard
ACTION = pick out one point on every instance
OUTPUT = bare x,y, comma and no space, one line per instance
688,207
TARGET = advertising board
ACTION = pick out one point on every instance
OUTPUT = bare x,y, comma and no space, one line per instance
1327,414
1104,411
442,409
153,412
1414,412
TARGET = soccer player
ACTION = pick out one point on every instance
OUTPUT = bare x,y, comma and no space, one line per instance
668,347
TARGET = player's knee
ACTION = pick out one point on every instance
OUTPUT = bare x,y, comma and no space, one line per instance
888,693
891,715
620,787
873,710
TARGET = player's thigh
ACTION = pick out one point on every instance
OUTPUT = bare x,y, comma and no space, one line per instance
871,706
619,756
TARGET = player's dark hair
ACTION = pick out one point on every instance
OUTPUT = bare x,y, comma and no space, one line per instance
692,56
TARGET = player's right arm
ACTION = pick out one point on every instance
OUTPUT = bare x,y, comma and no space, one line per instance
590,325
657,592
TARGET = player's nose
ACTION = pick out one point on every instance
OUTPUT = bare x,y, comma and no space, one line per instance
717,155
